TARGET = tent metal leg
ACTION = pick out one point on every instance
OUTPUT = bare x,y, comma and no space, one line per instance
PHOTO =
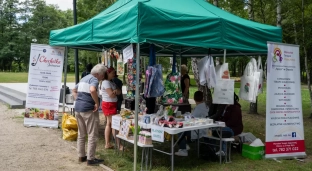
137,90
65,77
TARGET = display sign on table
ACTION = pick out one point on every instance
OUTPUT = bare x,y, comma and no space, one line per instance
44,84
157,133
284,122
116,122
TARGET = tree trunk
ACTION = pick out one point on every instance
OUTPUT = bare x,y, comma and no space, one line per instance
278,12
215,2
306,56
251,15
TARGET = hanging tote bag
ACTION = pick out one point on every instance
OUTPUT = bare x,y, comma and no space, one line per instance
260,69
224,92
222,71
256,85
247,86
202,70
211,74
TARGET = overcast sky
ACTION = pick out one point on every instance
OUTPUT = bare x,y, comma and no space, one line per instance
63,4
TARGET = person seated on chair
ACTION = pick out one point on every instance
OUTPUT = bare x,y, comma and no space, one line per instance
200,111
232,116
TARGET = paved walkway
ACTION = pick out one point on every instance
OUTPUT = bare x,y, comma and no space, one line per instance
35,149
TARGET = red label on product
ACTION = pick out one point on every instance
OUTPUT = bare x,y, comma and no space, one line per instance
278,147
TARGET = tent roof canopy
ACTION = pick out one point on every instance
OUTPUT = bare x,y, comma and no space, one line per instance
186,26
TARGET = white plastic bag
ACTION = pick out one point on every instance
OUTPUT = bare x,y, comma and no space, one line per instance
224,92
247,83
202,66
212,77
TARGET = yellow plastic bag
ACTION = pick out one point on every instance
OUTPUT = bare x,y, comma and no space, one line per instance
168,137
69,122
70,134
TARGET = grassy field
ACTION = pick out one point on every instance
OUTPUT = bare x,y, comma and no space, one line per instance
252,123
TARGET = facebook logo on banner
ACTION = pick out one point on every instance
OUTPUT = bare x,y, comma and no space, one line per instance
293,134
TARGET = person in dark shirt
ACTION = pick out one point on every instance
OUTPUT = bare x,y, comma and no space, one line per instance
185,83
87,71
119,84
232,117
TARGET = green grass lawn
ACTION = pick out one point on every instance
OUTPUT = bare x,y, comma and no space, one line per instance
22,77
252,123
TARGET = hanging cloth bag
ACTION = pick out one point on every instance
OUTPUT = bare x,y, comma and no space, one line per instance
222,71
223,92
247,83
202,70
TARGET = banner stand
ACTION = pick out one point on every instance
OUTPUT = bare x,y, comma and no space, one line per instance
284,119
44,86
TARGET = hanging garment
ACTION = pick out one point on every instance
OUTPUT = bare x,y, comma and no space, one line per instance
148,75
157,88
202,70
206,91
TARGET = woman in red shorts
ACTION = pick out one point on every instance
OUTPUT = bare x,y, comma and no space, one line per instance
109,104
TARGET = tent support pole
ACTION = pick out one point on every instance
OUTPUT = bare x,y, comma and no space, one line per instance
224,55
76,50
65,78
137,94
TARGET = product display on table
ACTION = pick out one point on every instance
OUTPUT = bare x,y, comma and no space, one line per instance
128,114
145,137
125,128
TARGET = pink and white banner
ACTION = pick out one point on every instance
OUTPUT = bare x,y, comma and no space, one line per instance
284,120
44,84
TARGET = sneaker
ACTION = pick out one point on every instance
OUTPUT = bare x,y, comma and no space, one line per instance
94,162
82,159
182,152
220,153
187,147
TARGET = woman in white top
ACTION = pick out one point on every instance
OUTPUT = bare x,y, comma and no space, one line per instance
109,104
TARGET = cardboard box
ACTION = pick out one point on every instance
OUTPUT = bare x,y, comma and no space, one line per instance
254,153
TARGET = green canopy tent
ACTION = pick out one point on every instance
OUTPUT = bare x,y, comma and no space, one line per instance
189,27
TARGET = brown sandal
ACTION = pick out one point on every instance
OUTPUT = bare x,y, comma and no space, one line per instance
109,147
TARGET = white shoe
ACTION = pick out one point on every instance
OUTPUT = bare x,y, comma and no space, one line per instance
220,153
181,152
187,147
